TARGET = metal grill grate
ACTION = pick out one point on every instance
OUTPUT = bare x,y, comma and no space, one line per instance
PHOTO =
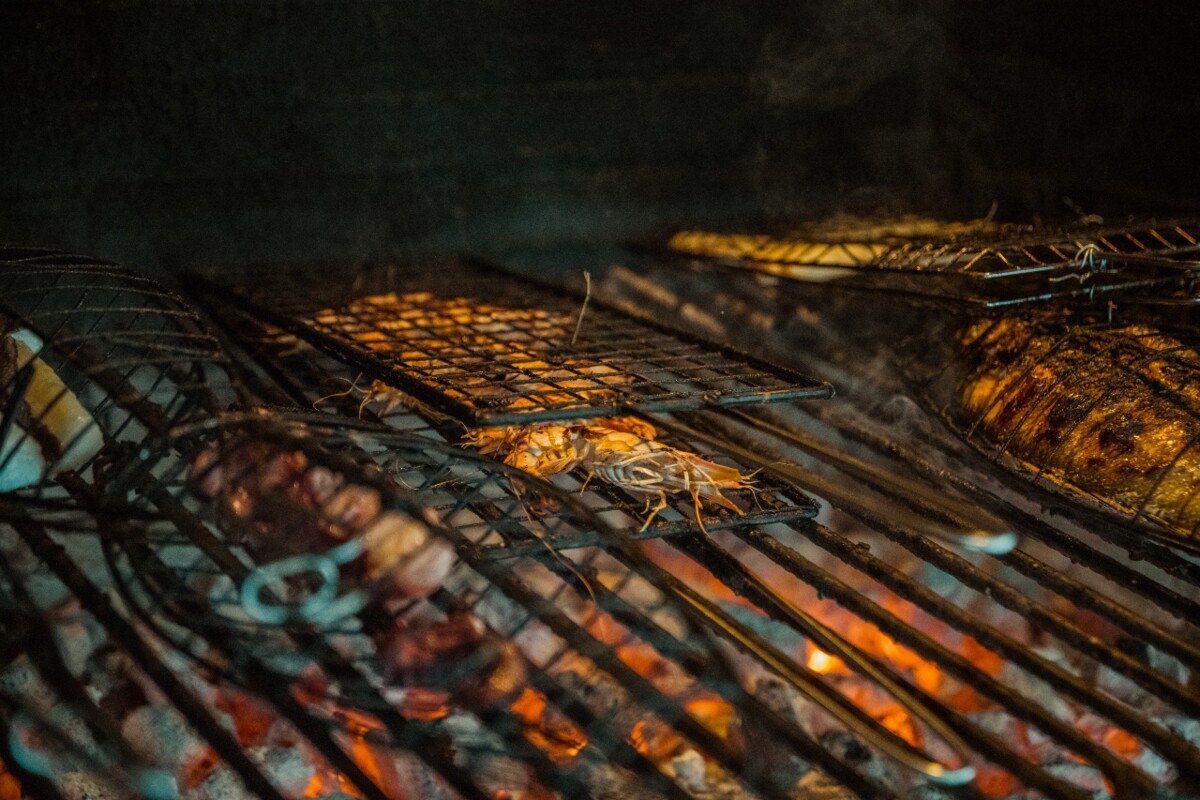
492,349
581,617
585,618
308,377
1063,579
996,267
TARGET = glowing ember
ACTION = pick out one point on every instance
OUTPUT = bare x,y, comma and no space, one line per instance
251,718
198,768
10,788
548,729
821,662
995,782
655,740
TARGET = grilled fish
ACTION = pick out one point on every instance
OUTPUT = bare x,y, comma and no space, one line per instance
1108,411
1104,413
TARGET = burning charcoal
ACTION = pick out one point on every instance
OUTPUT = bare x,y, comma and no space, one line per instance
1155,766
84,786
850,750
285,766
1085,776
1168,664
1056,656
816,785
601,698
998,722
161,735
220,784
613,783
1118,685
690,768
1187,729
457,658
1036,690
765,753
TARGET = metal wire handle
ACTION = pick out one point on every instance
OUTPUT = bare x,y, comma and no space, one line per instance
1092,257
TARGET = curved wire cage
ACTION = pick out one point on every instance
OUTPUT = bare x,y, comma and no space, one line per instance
261,536
94,360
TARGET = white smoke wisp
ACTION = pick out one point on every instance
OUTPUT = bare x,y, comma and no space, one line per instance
851,46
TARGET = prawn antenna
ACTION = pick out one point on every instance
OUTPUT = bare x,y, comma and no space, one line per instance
353,388
587,295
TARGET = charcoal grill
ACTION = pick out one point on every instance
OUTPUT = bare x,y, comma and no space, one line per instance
727,608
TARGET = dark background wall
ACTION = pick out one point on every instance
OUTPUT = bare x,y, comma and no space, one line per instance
207,134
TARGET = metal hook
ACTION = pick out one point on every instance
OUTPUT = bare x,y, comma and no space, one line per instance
322,607
1086,257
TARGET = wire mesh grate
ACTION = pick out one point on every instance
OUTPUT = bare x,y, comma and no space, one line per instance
994,266
310,377
491,348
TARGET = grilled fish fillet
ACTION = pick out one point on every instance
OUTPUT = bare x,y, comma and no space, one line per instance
1110,412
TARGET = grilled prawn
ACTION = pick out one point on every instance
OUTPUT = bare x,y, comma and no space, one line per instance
621,451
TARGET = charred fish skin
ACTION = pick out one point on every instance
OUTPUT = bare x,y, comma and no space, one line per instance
1110,412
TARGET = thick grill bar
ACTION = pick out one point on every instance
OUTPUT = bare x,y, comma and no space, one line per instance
477,497
1029,581
716,559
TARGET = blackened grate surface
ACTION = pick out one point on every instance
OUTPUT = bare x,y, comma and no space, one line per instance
997,266
309,377
492,348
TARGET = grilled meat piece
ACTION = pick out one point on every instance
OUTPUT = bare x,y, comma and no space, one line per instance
1112,412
